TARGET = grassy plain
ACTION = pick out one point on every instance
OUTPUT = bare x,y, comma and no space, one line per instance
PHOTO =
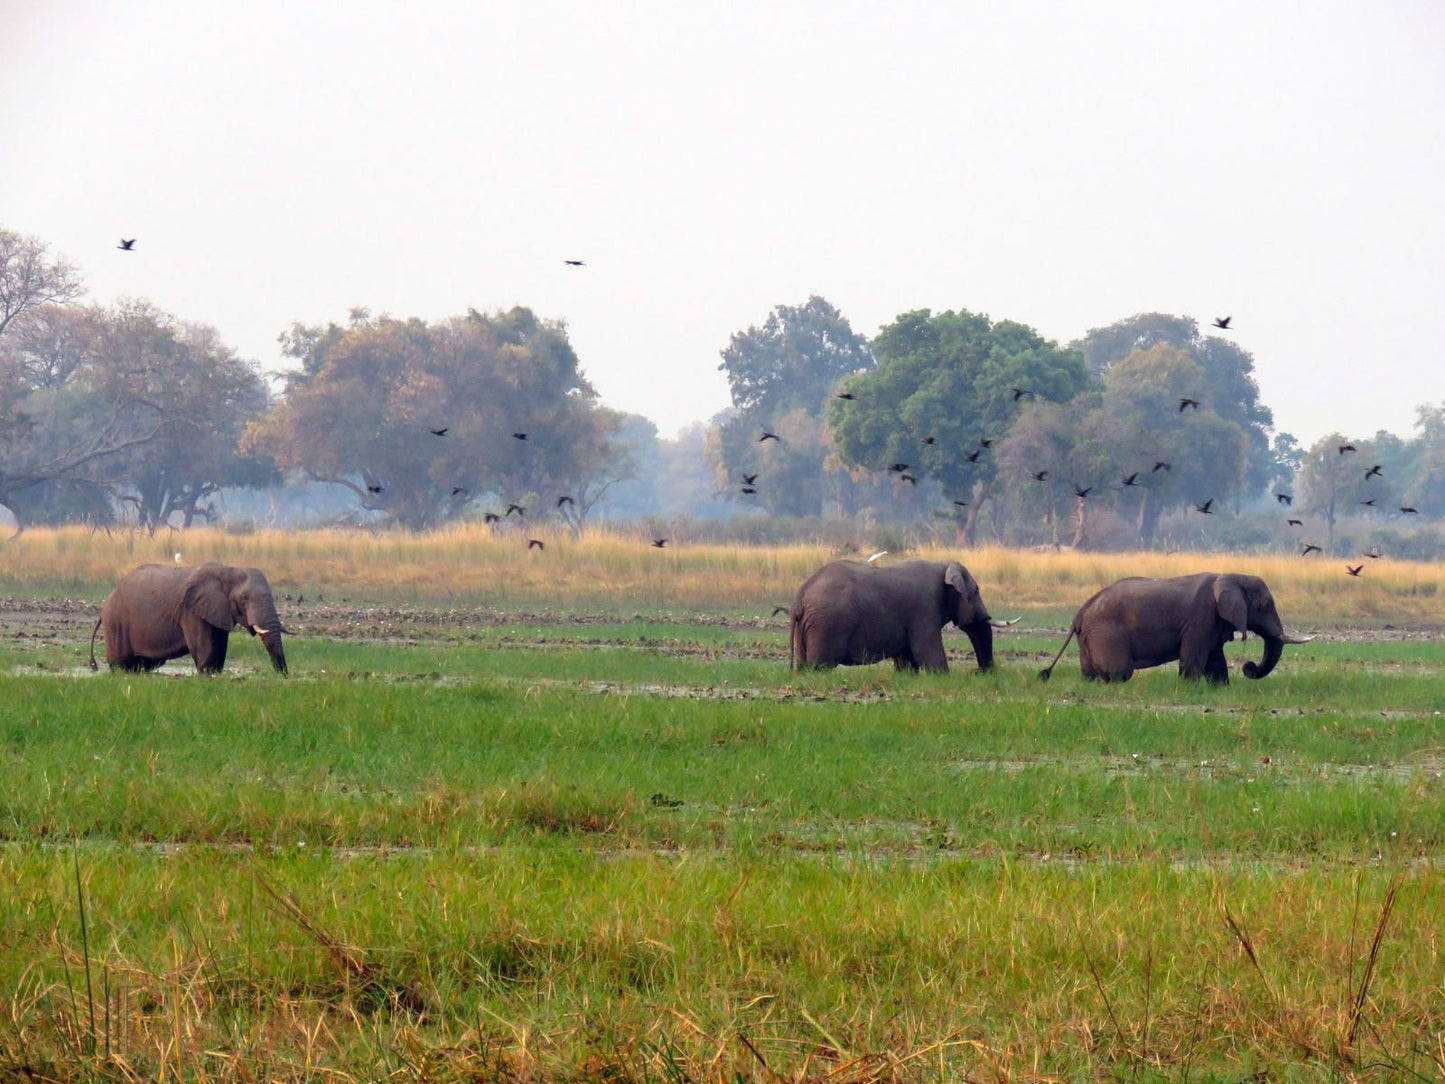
612,572
523,836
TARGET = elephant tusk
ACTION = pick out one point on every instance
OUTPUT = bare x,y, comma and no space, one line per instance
1296,639
1004,624
259,631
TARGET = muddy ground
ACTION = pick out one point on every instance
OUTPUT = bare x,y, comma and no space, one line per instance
67,620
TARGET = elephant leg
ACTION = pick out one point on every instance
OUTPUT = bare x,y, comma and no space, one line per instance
928,654
905,661
1197,657
208,649
1216,670
1104,655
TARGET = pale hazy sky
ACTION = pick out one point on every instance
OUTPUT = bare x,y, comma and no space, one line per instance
1063,165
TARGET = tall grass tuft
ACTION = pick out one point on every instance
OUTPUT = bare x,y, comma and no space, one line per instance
603,569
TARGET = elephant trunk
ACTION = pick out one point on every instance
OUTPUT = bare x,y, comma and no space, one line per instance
265,622
272,639
1273,649
980,634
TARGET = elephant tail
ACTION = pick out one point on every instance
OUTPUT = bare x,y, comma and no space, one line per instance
93,631
797,650
1048,670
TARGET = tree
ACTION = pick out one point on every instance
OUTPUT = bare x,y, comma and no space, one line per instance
950,377
1229,383
781,376
361,409
62,431
1096,441
208,395
1425,485
1332,483
31,278
129,404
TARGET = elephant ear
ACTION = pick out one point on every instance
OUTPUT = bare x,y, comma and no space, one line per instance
204,595
1229,599
955,576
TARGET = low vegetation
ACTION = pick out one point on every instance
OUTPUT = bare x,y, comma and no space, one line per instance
477,565
474,837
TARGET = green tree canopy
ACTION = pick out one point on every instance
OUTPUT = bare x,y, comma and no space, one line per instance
361,408
1332,484
781,376
1229,385
1130,430
949,379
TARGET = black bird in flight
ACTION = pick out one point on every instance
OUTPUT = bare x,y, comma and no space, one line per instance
898,468
1019,393
1373,472
1310,547
767,436
1039,475
564,499
1284,498
1082,492
1295,522
1409,511
127,244
749,489
1354,570
575,263
659,543
961,504
1161,465
373,489
491,517
1369,503
514,508
749,479
1222,322
457,491
439,432
1186,403
1346,448
519,436
972,457
985,442
848,395
1205,507
780,610
930,440
536,544
1132,480
908,478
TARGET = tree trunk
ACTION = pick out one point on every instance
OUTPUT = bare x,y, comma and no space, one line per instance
1148,520
1081,524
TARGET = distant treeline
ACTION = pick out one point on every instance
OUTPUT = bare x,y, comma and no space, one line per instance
949,426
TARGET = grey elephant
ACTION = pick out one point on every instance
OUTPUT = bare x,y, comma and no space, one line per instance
849,613
1137,623
160,612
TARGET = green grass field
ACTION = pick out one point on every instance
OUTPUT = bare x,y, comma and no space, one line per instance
482,845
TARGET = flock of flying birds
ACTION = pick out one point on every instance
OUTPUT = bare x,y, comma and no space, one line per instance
749,481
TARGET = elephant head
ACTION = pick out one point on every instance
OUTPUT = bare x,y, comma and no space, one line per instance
965,607
1245,603
224,597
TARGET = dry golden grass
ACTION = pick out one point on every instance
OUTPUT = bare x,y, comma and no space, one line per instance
470,564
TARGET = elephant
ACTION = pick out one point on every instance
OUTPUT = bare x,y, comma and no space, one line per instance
160,612
1137,622
849,613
